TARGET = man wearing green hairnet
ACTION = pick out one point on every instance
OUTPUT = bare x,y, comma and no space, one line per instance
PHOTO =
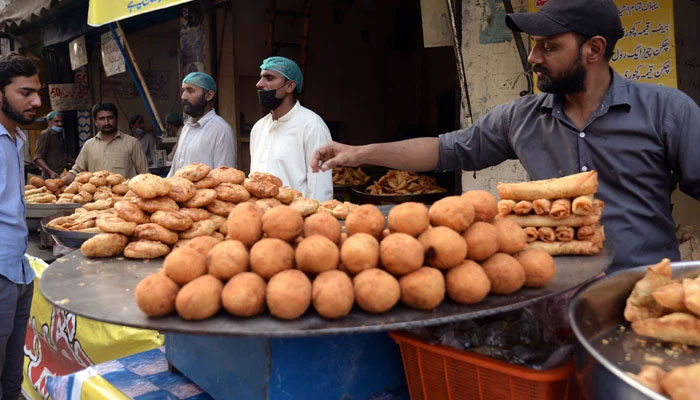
206,138
283,142
50,154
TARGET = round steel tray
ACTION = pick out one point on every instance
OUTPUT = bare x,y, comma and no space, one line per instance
362,197
65,238
38,211
104,290
607,347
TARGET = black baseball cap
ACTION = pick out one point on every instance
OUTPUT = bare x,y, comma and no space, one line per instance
586,17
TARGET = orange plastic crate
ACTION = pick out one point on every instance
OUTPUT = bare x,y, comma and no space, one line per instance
436,372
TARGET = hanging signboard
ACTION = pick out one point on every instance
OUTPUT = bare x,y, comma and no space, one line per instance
78,53
103,12
68,96
112,58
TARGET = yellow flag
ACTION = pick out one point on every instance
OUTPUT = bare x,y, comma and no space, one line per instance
105,11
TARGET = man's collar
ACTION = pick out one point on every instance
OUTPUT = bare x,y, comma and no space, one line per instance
100,136
18,132
202,121
616,95
286,117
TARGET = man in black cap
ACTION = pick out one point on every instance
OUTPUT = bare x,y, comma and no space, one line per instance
642,139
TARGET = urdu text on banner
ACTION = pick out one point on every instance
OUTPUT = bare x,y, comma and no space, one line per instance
105,11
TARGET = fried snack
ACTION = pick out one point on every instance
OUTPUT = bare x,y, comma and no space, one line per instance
98,181
269,256
265,177
220,208
505,207
218,235
556,188
88,187
332,294
285,195
359,252
288,294
542,206
99,205
244,295
531,234
41,198
564,233
82,197
376,291
304,206
227,175
184,264
113,224
467,283
484,203
367,219
73,188
29,187
345,176
650,376
149,186
130,212
163,203
683,383
232,192
35,191
203,244
574,247
181,189
200,228
103,173
454,212
404,182
342,211
120,189
266,204
226,259
561,208
482,241
104,245
101,196
64,200
522,207
218,221
206,183
54,185
245,224
83,177
538,266
200,298
546,234
155,295
671,296
261,189
691,292
401,253
316,254
511,238
423,289
172,220
586,232
151,231
282,222
195,214
641,304
193,172
444,248
583,205
36,181
677,327
410,218
539,221
201,198
146,249
505,273
115,179
321,223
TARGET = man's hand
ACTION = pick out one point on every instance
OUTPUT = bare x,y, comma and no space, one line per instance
53,175
68,179
334,154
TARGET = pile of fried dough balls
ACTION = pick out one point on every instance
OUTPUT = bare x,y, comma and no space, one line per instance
276,260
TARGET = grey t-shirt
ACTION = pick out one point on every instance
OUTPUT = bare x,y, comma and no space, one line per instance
643,140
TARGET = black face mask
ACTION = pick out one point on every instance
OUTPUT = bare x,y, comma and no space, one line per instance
268,99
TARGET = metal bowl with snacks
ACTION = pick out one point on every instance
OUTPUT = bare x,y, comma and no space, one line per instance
35,212
70,239
607,348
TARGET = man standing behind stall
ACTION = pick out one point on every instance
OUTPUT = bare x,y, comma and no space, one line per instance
206,137
283,142
110,149
19,95
50,154
148,141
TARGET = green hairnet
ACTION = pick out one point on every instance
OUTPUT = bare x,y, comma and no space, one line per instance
53,114
288,68
173,118
205,81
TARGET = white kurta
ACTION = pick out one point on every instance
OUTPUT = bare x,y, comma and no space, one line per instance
208,141
285,147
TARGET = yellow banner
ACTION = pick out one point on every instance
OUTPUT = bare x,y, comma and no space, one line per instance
105,11
647,52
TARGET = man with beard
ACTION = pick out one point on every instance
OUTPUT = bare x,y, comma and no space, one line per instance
110,149
19,95
642,139
283,142
206,137
148,141
50,154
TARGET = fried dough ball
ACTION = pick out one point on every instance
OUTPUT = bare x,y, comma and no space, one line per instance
130,195
184,264
181,189
244,295
83,197
454,212
53,185
324,224
199,299
163,203
218,220
538,265
83,177
245,224
260,189
220,208
410,218
282,222
484,203
366,218
87,187
114,224
193,172
285,195
120,189
203,244
101,196
359,252
218,235
115,179
265,177
304,206
104,245
505,273
201,198
223,229
155,295
36,182
227,175
206,183
130,212
332,294
103,173
467,283
98,181
288,294
266,204
172,220
200,228
149,186
376,291
232,192
401,253
511,237
73,188
146,249
227,259
270,256
151,231
423,289
482,240
99,205
444,248
195,214
316,254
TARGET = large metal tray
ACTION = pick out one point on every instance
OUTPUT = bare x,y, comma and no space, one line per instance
362,197
607,347
104,290
65,238
39,211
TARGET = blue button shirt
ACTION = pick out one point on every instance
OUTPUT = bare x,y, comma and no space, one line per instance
13,227
643,140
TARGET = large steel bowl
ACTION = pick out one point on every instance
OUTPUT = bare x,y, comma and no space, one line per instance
607,348
65,238
35,212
